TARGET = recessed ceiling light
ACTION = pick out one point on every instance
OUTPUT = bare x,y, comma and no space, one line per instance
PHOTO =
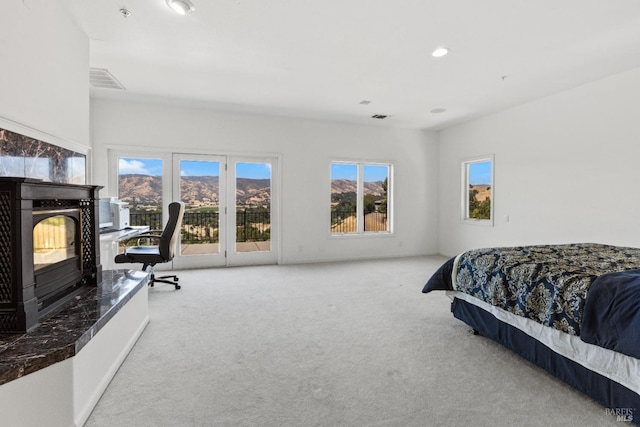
440,52
438,110
365,102
181,6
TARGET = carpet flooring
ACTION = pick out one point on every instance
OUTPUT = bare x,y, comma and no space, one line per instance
332,344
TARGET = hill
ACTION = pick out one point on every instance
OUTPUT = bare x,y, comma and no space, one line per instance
484,191
201,191
197,191
351,186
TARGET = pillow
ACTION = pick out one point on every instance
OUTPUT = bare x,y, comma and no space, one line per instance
441,279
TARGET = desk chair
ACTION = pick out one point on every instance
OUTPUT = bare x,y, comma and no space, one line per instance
164,251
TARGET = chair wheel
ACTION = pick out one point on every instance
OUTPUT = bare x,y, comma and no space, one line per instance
151,284
177,279
177,287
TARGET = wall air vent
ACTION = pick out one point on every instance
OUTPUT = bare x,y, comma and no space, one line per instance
102,78
379,116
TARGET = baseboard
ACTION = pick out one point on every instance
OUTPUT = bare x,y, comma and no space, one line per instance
356,258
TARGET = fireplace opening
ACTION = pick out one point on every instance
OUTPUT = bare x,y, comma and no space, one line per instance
54,240
57,256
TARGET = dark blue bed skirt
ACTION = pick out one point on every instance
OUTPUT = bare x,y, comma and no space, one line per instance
619,400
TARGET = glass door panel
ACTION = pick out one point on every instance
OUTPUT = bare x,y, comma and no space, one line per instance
253,207
199,188
140,185
251,220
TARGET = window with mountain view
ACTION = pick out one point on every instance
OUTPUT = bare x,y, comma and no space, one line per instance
360,198
140,185
478,191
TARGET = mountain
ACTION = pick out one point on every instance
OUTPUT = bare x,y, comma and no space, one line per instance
253,191
141,189
197,191
351,186
203,188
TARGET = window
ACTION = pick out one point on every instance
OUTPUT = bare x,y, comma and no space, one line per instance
477,192
360,198
140,185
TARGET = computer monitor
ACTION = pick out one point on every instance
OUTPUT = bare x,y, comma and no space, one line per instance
105,216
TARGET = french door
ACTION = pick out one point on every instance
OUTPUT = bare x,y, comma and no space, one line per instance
229,215
230,204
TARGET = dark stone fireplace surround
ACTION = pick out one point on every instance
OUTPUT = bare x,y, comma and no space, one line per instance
20,310
63,334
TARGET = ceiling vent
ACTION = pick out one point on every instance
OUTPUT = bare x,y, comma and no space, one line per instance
379,116
102,78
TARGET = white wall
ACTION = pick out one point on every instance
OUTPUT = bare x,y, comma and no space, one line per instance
306,148
566,169
44,66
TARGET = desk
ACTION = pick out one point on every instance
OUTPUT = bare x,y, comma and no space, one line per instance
109,244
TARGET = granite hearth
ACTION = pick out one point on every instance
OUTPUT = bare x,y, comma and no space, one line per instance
65,362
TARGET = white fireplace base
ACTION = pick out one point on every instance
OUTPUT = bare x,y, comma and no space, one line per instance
66,392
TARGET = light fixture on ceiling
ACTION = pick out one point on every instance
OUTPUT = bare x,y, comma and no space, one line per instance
438,110
181,6
440,52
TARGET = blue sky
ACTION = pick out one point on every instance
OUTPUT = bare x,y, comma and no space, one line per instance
128,166
480,173
153,167
197,168
372,173
253,170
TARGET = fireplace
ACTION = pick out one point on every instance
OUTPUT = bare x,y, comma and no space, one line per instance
49,248
57,258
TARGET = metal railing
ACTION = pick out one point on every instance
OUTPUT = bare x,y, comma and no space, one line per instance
252,225
345,222
152,219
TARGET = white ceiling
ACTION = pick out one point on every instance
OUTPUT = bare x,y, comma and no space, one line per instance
320,59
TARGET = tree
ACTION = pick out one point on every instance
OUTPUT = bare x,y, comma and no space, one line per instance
479,210
484,209
383,201
345,202
473,202
369,203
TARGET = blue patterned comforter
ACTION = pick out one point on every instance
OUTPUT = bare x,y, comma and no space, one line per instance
548,284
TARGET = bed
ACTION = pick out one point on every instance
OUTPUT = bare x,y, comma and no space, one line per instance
572,309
